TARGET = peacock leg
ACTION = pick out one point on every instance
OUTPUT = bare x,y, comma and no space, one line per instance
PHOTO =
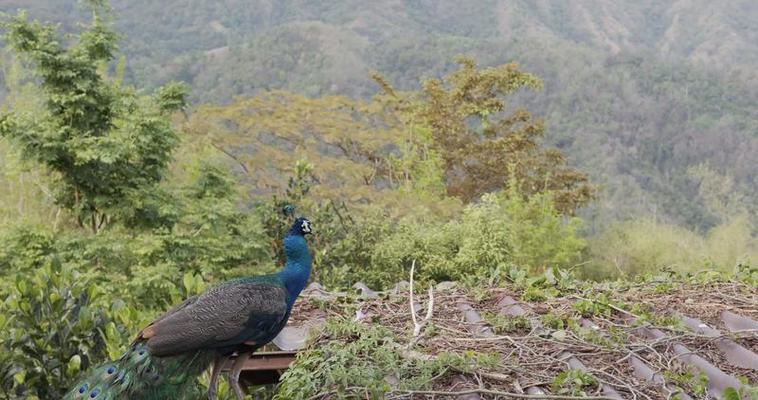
218,362
234,375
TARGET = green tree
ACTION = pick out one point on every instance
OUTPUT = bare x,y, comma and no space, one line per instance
478,137
723,197
107,145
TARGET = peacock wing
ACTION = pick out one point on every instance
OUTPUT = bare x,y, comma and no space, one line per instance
181,306
225,315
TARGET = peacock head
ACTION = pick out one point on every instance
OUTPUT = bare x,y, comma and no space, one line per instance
300,227
295,245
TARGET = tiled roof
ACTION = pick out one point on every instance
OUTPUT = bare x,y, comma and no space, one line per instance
631,355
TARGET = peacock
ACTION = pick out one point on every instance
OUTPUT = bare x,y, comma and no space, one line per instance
236,316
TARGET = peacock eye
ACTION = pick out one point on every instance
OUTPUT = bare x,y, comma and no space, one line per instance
82,389
111,370
94,394
141,352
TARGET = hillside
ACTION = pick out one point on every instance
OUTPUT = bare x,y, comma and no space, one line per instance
159,37
636,93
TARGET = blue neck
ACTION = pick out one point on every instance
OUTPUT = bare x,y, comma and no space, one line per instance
298,267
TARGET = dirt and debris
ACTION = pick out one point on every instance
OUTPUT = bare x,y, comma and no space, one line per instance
608,333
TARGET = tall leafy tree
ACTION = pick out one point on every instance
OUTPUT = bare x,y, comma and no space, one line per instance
478,137
107,145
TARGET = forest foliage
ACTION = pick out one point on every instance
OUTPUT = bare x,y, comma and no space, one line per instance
124,201
636,93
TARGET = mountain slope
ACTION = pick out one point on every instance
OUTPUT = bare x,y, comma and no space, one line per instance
637,93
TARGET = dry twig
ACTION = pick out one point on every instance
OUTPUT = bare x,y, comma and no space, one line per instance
417,326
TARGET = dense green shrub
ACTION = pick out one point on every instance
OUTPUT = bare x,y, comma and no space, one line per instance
646,246
488,238
212,240
55,322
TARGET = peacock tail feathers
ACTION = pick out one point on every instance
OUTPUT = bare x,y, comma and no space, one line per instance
138,375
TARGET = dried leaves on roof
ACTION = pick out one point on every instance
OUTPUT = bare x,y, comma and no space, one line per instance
651,341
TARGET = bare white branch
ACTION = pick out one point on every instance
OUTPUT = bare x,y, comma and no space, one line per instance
418,326
431,305
410,288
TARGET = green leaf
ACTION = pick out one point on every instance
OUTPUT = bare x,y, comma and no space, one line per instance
19,377
74,364
21,286
188,280
731,394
